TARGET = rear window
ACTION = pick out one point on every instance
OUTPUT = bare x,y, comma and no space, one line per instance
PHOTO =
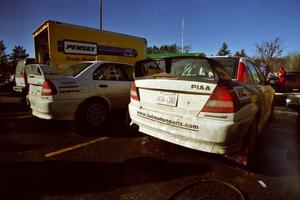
74,70
230,65
21,64
192,68
38,69
33,69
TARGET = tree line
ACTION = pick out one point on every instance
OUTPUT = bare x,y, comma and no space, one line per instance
8,62
268,53
173,48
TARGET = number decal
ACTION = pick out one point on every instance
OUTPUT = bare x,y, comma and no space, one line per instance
241,93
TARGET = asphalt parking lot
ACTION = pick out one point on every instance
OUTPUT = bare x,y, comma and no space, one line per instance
42,159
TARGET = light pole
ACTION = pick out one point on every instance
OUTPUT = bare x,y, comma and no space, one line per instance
100,15
182,29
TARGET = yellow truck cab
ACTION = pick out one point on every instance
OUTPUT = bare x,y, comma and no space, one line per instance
61,45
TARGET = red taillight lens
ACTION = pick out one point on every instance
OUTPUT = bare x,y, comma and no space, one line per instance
134,93
221,101
48,89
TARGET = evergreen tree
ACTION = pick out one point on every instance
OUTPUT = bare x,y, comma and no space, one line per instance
3,56
173,48
241,53
155,49
149,50
17,54
224,50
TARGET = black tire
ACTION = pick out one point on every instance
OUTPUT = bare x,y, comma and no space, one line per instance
92,116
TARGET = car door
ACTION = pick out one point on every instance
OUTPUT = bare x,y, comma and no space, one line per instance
266,91
113,81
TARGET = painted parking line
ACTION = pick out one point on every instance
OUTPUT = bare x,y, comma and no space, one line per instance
25,116
15,116
54,153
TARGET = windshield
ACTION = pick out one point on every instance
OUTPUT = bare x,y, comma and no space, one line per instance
74,70
192,68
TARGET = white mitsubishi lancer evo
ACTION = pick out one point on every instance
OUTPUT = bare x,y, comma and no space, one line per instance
195,104
86,93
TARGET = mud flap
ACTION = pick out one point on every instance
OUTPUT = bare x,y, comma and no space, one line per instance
240,157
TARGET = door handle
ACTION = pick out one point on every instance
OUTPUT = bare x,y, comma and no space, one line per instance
102,86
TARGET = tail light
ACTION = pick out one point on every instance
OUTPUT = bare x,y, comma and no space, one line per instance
48,89
134,93
221,101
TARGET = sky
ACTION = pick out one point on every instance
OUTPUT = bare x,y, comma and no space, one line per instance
207,23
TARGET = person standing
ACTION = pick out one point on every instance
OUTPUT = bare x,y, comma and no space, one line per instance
282,78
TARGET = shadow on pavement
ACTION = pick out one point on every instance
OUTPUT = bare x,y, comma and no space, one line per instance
277,152
32,124
17,147
30,180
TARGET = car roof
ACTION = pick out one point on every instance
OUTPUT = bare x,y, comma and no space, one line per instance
227,56
102,62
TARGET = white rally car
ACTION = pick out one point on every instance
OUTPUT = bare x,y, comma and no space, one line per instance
85,92
195,104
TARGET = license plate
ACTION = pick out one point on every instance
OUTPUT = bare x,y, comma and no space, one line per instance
169,99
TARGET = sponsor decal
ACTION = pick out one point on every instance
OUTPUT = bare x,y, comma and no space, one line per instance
71,47
200,87
65,88
69,91
67,82
116,51
169,122
69,86
241,93
93,49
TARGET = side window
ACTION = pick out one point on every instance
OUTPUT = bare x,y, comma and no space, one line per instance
146,67
260,74
254,74
128,71
99,73
110,71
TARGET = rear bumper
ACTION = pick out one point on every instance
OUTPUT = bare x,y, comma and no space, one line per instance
48,109
204,134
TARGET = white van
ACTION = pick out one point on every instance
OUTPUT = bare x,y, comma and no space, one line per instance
21,75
